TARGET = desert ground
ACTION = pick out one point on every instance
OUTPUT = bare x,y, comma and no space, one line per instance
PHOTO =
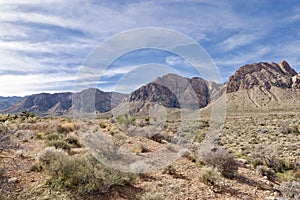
255,156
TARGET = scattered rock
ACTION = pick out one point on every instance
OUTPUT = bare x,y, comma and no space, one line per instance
13,180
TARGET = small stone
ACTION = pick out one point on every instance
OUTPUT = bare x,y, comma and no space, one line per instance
242,161
13,180
19,153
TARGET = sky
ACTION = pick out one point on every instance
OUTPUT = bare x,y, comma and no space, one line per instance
45,43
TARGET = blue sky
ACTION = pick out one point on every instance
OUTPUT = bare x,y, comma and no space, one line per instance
43,43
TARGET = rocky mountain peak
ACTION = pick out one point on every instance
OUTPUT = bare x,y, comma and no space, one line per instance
262,74
172,90
286,68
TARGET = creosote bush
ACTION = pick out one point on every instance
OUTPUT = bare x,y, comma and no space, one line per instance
223,161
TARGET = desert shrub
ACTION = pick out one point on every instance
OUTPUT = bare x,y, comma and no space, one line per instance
72,140
169,170
156,195
139,149
66,127
289,175
209,175
125,120
222,160
27,114
60,144
290,130
265,171
53,136
278,165
81,174
290,189
51,153
257,162
199,136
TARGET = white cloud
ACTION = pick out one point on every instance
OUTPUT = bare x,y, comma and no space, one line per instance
175,60
12,85
50,35
119,71
239,40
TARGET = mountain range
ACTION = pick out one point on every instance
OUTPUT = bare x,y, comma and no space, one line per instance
253,86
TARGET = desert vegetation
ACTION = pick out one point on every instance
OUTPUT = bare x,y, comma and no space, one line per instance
255,156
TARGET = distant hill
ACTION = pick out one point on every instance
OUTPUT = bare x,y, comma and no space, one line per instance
61,103
6,102
253,86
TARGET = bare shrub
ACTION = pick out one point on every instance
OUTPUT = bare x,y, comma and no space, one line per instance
223,161
290,189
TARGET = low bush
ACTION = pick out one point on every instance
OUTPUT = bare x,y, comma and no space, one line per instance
265,171
169,170
80,174
66,127
223,161
290,190
60,144
125,120
72,140
209,175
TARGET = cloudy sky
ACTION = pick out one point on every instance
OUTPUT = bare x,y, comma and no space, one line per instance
44,43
